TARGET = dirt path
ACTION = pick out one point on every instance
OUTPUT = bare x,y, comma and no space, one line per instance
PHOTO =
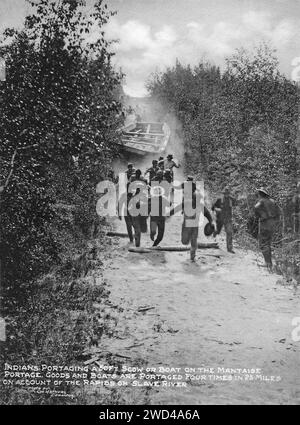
219,312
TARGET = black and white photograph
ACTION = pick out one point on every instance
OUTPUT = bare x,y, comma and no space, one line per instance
149,205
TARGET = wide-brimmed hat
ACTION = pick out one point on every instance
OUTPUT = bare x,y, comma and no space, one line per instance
263,190
190,178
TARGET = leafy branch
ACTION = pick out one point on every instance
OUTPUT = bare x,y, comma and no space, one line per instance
12,164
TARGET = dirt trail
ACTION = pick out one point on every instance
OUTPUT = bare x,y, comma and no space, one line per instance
219,312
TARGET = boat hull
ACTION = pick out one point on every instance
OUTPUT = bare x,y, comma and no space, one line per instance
144,138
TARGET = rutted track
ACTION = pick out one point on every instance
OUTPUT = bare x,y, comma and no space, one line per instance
222,311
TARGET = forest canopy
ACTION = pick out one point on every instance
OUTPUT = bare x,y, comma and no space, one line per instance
240,128
240,125
59,115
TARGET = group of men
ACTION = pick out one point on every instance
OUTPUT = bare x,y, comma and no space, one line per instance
159,200
266,212
161,171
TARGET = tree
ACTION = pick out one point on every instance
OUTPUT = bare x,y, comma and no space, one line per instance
59,100
239,128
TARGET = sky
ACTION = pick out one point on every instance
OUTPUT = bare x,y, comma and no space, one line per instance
152,34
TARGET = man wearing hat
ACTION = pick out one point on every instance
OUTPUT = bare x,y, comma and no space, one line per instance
223,208
268,213
169,164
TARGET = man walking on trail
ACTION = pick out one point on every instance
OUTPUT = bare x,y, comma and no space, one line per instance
268,213
189,234
127,217
158,206
138,209
134,214
223,208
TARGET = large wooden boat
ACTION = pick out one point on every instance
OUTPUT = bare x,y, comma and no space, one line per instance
144,138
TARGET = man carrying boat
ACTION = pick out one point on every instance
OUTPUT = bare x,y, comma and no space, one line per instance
159,176
152,170
130,171
135,202
161,163
168,176
137,176
169,164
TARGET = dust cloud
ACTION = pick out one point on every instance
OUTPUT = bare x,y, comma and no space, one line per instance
151,110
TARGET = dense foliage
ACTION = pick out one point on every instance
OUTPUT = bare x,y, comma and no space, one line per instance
59,120
59,112
239,127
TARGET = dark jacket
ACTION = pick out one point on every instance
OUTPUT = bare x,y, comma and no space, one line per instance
266,209
225,205
129,173
152,172
193,204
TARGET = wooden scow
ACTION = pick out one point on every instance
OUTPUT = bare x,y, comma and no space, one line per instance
144,138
